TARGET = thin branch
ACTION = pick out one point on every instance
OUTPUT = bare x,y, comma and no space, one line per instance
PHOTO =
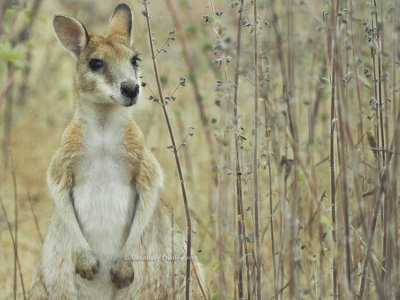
255,158
177,160
14,245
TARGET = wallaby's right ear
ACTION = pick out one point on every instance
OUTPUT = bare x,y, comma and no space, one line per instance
71,34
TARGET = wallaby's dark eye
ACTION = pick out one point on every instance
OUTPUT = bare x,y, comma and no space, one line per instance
95,64
135,60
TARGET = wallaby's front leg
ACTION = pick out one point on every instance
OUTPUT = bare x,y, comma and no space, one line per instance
149,183
60,182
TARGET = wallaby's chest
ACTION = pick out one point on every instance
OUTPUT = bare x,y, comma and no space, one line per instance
103,193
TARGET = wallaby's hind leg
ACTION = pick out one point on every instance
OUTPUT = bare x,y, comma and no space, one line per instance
56,269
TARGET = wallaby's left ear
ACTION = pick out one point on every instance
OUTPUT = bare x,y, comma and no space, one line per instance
121,24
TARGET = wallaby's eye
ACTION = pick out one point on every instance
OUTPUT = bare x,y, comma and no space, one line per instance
95,64
135,60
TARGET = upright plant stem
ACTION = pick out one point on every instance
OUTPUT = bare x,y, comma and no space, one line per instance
290,117
271,218
384,136
14,246
35,217
332,158
344,184
283,185
241,227
172,255
255,158
394,258
15,219
192,76
176,154
220,209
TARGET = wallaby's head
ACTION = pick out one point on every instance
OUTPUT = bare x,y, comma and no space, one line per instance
107,67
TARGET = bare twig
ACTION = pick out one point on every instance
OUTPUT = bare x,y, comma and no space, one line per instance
192,76
255,158
34,217
175,150
239,194
14,245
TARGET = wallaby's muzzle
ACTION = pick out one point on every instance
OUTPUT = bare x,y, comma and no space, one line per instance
130,90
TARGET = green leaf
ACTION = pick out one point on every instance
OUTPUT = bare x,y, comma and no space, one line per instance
192,78
299,174
8,53
177,112
365,82
207,45
325,220
8,14
163,79
184,3
191,29
214,297
42,19
28,17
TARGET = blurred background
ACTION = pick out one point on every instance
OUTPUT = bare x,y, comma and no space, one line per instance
328,228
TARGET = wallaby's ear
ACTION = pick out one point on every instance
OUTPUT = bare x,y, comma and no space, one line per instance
120,24
71,34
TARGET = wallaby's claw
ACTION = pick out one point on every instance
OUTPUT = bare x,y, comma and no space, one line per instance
86,264
122,274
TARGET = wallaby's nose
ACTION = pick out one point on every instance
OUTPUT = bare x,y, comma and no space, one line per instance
129,89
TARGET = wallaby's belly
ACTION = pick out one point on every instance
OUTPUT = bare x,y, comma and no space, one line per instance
104,200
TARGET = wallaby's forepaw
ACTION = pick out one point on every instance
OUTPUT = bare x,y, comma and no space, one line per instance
122,273
86,264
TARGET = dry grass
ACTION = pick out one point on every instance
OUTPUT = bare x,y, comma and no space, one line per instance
325,97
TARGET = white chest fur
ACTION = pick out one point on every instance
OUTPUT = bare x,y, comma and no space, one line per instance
103,193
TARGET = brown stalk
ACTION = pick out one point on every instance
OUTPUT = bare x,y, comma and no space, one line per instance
357,81
199,101
255,159
241,227
333,15
376,209
198,281
176,155
172,255
15,248
7,88
271,218
8,113
35,217
384,135
15,220
221,191
377,137
192,76
282,227
394,258
290,119
343,175
345,139
360,124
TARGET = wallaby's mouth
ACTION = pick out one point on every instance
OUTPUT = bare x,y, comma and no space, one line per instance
125,101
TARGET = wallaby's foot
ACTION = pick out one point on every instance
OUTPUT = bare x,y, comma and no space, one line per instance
86,264
122,273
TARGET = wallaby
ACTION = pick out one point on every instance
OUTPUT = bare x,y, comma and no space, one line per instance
109,236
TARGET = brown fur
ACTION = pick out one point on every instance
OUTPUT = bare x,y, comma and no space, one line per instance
62,162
